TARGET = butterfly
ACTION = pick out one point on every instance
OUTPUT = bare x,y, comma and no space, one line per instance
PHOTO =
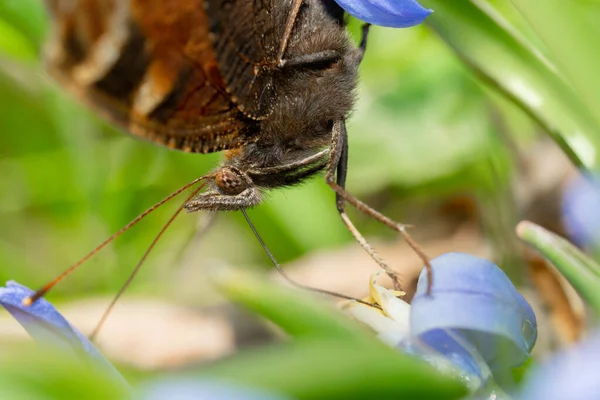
269,82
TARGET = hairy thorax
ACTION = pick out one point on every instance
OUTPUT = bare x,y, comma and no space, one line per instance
308,99
310,93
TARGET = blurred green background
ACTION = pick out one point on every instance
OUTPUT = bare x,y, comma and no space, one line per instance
423,131
463,127
475,119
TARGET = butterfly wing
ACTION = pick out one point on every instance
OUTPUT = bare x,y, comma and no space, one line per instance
150,66
246,36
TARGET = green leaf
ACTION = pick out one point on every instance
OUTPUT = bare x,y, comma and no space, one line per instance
333,357
26,16
582,272
574,46
38,373
504,59
295,312
12,43
333,369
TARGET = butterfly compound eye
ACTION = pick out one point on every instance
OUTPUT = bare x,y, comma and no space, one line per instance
229,182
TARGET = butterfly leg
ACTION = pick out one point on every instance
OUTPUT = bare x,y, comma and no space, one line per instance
325,57
287,33
362,47
292,167
338,162
336,178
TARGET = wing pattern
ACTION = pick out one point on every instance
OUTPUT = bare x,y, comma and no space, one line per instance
170,71
246,36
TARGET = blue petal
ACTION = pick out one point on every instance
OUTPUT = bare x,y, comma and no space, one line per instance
193,389
449,352
457,349
48,326
392,13
571,374
475,299
581,211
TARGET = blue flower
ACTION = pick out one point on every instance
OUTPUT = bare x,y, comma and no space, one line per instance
47,326
392,13
571,374
581,211
475,299
474,322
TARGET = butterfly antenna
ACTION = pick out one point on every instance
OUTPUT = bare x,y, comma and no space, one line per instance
290,280
140,263
47,287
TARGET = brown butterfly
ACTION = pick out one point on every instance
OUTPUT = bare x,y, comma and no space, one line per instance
269,81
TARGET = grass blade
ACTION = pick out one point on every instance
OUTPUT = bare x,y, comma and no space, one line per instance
574,46
582,272
330,369
490,46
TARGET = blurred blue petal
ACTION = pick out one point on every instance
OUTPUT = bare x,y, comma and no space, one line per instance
572,374
194,389
475,300
455,349
392,13
449,352
581,211
48,326
475,325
